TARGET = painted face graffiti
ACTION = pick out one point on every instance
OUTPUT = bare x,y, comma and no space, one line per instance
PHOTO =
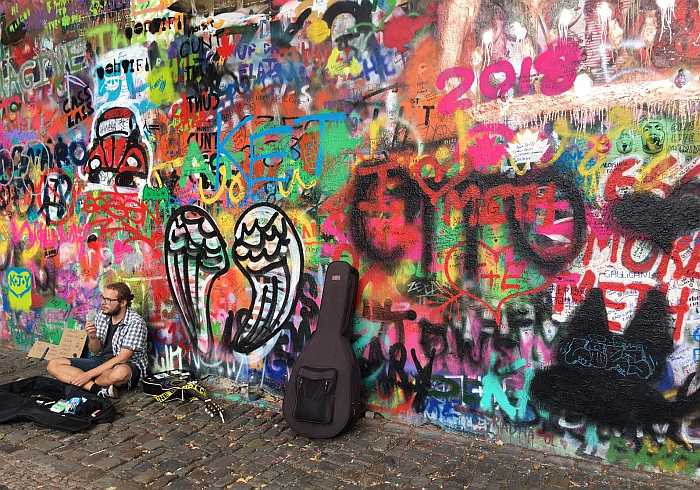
653,137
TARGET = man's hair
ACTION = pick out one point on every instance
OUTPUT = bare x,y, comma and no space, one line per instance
123,291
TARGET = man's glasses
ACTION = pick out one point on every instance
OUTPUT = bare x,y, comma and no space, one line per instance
108,299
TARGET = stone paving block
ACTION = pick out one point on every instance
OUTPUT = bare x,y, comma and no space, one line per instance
181,484
151,455
68,467
153,444
123,436
116,484
72,438
70,451
129,454
239,486
270,474
142,437
452,485
7,448
225,481
25,454
479,482
107,462
147,476
92,458
95,443
170,465
100,429
163,481
91,474
15,436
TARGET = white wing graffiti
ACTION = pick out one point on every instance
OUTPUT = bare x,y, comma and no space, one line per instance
195,255
268,250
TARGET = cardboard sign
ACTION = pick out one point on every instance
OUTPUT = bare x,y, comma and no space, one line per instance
72,344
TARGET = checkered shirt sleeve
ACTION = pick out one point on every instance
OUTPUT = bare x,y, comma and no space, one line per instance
134,335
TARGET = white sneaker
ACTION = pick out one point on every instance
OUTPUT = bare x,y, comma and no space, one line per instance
110,391
113,391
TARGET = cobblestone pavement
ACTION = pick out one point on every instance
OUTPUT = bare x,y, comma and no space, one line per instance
178,446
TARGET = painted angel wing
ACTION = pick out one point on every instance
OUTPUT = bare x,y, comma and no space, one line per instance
268,250
195,255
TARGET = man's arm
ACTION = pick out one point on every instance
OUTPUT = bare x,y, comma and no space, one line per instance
94,342
94,345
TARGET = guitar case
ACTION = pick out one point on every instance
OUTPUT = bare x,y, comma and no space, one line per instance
31,398
323,394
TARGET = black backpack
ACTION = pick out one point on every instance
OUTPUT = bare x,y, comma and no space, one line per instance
31,399
323,394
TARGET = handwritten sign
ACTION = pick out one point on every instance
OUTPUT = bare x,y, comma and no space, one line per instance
72,344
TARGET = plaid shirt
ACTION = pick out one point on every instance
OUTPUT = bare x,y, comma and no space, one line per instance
129,334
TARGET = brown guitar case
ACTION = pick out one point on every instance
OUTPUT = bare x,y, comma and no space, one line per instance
323,394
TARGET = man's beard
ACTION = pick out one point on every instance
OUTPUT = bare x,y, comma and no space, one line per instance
114,313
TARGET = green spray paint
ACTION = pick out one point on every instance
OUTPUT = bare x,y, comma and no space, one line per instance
668,457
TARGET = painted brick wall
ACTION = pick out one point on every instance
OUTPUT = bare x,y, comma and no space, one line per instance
517,183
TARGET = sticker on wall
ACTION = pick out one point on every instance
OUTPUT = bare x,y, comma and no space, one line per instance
120,155
19,288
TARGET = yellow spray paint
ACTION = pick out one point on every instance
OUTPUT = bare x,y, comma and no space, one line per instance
339,68
318,31
296,179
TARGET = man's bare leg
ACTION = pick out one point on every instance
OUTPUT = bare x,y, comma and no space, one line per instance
62,370
117,376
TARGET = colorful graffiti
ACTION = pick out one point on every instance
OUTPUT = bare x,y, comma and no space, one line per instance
517,183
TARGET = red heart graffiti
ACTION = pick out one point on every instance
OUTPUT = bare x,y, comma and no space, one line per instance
498,310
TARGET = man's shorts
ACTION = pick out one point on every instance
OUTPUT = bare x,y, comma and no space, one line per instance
88,363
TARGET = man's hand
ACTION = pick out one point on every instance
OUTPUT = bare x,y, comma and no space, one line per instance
91,330
82,378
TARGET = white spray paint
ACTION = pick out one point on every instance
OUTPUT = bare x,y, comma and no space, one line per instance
487,44
667,8
604,15
566,17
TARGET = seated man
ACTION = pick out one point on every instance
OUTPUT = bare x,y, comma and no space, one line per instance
118,338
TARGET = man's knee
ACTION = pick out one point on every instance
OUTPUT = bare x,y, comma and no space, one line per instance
119,374
55,365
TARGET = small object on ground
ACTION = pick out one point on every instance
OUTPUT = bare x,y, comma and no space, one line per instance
110,391
73,403
59,407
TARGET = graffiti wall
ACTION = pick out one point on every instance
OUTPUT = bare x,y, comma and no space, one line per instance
516,181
